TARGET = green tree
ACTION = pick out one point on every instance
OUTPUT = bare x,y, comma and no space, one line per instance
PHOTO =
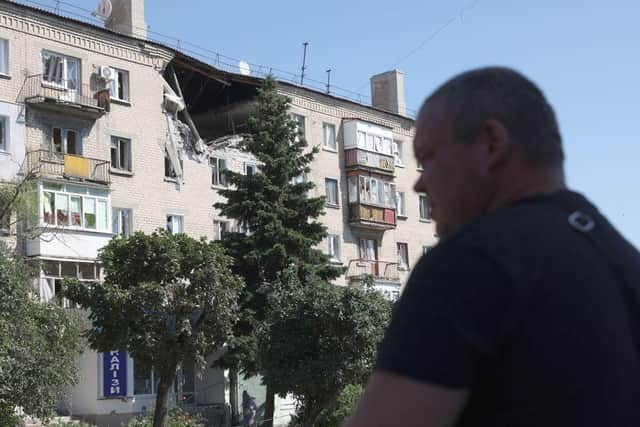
282,222
38,345
318,339
166,299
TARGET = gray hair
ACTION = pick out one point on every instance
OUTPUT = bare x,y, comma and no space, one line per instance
505,95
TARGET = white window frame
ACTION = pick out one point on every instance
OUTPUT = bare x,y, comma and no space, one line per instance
397,153
46,279
373,191
120,221
4,133
301,126
403,255
218,178
119,141
423,208
401,204
333,247
337,193
85,198
4,57
63,81
64,135
121,81
329,144
172,218
247,166
218,229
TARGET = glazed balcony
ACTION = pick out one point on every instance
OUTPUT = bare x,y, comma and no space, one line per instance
372,217
47,164
358,158
64,97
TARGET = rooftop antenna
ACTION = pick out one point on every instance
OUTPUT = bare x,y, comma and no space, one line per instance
329,81
304,62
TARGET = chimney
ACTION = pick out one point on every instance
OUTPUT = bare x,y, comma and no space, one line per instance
127,17
387,92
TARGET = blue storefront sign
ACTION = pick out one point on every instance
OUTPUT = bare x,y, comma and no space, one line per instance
114,374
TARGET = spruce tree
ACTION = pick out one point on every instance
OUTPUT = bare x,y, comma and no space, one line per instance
280,222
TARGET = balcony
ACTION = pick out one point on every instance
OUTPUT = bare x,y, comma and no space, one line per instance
360,269
372,217
65,97
47,164
359,158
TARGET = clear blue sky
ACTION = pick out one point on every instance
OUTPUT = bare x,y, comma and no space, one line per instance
584,54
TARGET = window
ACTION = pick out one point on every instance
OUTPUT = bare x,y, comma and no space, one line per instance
121,153
403,256
299,127
371,191
65,141
119,86
250,169
4,133
51,286
218,166
143,379
331,189
69,205
333,241
298,179
368,249
425,249
219,228
169,170
243,227
329,136
5,223
175,224
121,222
4,56
424,208
397,153
60,70
401,206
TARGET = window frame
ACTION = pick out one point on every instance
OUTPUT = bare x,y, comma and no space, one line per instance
247,166
403,255
423,208
301,126
398,154
220,177
119,212
4,133
218,229
64,81
401,196
325,142
128,142
115,85
64,142
181,222
4,56
328,180
333,250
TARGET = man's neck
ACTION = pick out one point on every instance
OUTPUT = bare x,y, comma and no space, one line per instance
526,185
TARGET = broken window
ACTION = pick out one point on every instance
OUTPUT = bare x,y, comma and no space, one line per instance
61,70
119,86
169,169
121,153
218,167
66,141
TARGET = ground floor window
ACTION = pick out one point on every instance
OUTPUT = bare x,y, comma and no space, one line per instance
51,283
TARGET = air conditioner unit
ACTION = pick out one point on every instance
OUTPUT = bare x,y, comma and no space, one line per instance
107,73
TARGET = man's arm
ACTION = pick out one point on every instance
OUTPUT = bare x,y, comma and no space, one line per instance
392,400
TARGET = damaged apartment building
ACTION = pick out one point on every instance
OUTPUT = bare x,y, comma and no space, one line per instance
120,134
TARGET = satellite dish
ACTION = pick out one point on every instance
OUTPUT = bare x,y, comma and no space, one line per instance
244,68
104,9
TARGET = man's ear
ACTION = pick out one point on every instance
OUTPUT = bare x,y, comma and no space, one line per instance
495,142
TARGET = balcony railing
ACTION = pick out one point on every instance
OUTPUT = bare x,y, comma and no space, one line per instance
358,157
358,269
369,216
64,95
44,163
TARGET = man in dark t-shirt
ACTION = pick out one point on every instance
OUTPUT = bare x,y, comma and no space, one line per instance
523,314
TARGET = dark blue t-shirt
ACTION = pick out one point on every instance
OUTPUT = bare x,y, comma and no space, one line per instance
529,315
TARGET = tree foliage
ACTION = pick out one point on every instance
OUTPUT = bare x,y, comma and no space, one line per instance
165,299
38,344
318,339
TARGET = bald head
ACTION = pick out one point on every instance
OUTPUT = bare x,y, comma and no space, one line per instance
507,96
